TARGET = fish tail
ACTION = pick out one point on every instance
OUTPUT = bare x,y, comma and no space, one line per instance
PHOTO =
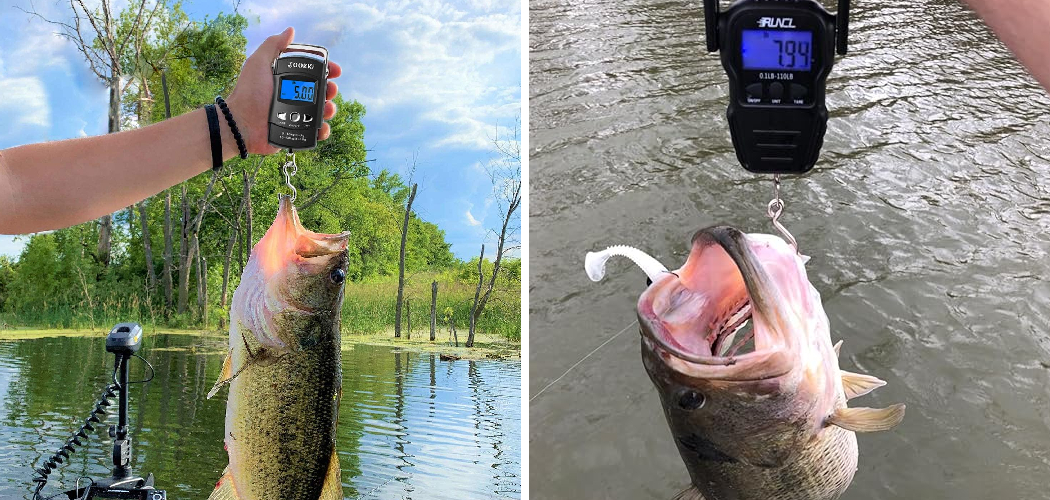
690,493
224,489
333,485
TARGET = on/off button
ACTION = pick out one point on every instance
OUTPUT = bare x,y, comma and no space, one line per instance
754,92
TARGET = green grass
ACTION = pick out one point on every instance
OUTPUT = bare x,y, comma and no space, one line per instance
368,309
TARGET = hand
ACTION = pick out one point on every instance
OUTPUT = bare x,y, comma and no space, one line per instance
250,100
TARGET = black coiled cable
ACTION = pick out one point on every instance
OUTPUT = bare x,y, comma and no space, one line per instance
76,438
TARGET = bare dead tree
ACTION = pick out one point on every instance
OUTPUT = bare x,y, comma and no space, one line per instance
97,34
190,229
401,263
151,275
505,174
166,278
202,284
248,180
474,311
433,308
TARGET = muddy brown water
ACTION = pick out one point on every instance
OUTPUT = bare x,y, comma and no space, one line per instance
927,219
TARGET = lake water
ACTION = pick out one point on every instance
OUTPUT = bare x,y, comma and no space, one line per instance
410,425
927,218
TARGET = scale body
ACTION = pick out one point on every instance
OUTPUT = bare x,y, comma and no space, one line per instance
297,106
777,55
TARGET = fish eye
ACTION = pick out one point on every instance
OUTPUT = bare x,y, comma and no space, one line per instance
337,276
691,400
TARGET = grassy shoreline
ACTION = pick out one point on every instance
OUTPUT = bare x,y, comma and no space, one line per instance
486,346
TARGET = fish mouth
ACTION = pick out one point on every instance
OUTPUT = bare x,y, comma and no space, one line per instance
731,312
288,236
287,250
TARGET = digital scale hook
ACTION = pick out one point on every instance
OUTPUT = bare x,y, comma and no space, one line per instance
775,208
288,176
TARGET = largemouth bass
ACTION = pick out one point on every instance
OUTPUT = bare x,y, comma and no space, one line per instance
764,423
283,368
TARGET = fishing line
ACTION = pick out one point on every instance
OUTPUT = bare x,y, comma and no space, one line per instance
555,381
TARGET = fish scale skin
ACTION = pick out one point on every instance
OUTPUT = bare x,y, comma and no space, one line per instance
821,471
282,415
788,462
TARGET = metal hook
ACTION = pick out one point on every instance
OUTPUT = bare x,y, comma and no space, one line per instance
288,176
775,208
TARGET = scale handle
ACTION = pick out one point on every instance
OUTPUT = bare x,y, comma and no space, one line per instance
711,24
842,27
310,49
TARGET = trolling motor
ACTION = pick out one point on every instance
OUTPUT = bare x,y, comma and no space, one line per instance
124,340
777,55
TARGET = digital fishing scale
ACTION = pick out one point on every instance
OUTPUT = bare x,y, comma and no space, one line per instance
777,54
297,107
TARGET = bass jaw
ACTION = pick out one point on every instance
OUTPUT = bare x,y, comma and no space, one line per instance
683,315
286,253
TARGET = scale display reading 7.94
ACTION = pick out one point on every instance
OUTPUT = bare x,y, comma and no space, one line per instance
777,55
776,49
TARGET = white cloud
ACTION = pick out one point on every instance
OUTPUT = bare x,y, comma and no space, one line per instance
471,220
461,66
24,101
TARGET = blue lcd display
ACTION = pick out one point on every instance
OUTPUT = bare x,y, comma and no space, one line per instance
782,50
295,90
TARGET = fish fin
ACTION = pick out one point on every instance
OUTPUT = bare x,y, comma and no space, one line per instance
224,377
838,348
224,489
857,384
690,493
867,419
333,484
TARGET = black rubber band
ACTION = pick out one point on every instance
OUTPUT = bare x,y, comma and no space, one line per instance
233,126
216,138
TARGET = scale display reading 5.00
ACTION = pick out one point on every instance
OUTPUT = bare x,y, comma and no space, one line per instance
776,49
295,90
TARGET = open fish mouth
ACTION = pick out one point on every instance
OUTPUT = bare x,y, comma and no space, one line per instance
732,311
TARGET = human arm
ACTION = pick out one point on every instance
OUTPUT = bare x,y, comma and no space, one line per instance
57,184
1024,27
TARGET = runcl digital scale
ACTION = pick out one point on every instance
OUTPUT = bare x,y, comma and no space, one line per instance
777,54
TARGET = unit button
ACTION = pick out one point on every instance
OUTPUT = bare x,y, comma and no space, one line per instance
293,117
282,116
776,90
754,90
307,118
798,92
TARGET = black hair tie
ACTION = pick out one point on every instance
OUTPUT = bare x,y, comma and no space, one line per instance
233,126
216,138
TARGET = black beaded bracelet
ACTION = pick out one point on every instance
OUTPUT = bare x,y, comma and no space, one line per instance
233,126
216,138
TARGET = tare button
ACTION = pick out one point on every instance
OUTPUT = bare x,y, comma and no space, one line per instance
798,92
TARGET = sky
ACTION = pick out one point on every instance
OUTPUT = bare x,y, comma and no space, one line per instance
440,81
